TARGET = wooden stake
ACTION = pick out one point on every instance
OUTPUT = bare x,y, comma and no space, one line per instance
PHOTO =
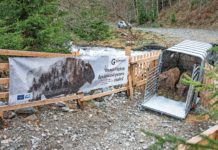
129,84
1,114
80,102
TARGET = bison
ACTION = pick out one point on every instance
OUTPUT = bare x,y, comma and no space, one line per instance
63,77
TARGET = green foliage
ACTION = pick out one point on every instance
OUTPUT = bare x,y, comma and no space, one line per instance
142,16
171,142
88,23
214,49
91,30
194,3
173,18
211,74
146,15
151,15
32,25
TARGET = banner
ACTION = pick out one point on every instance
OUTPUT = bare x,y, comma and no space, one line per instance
33,79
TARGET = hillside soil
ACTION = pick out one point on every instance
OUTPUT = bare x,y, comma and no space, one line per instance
191,16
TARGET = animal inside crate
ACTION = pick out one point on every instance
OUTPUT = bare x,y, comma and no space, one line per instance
164,91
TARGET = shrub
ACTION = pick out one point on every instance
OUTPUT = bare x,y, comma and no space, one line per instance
142,16
88,21
173,18
215,49
194,3
91,30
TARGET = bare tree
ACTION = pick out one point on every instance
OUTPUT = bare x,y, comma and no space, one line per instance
116,11
170,2
157,3
162,2
201,2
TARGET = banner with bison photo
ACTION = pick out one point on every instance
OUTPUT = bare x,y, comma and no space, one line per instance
33,79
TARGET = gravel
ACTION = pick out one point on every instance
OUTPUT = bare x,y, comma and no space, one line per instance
204,35
114,124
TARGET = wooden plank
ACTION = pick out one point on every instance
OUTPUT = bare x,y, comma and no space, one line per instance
211,133
40,102
132,67
140,83
130,86
128,51
4,81
35,54
1,114
4,66
89,97
3,95
144,59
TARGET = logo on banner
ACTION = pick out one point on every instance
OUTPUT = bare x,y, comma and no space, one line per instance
114,61
22,97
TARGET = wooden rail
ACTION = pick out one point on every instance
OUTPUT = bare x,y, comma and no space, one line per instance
4,81
4,52
3,95
138,66
40,102
4,66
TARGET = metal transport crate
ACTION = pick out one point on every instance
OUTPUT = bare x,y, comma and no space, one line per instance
187,56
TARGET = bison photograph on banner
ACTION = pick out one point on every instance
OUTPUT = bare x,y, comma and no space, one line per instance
33,79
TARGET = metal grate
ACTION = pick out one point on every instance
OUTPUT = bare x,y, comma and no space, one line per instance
152,80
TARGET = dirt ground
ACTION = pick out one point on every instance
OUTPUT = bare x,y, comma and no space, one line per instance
114,122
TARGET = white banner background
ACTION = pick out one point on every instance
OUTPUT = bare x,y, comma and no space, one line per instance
42,78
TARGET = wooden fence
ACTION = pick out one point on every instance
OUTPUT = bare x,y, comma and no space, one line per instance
138,66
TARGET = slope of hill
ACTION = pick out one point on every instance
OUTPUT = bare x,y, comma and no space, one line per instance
189,13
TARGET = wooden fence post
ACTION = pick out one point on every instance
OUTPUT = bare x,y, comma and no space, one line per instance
129,84
80,102
1,114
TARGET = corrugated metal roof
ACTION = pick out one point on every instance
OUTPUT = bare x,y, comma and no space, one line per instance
190,47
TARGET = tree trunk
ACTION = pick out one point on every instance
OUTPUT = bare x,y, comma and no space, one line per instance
153,12
157,8
200,7
162,2
170,2
135,9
